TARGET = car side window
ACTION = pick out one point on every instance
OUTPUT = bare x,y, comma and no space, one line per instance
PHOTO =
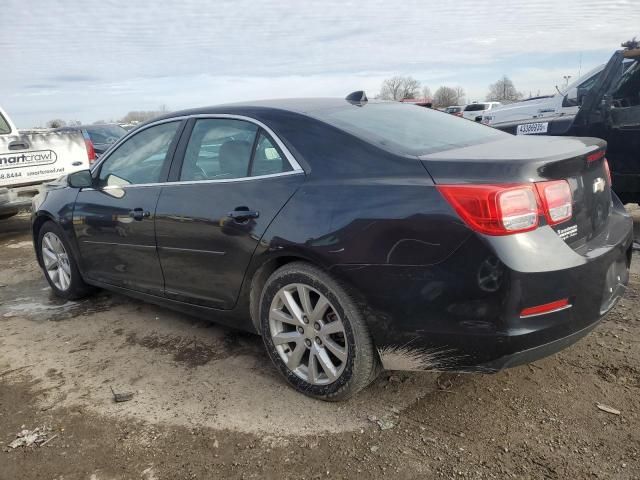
268,159
139,159
4,126
218,149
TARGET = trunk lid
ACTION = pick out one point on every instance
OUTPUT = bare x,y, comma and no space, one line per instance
515,160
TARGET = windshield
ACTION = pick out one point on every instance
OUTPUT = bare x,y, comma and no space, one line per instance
476,107
105,134
407,129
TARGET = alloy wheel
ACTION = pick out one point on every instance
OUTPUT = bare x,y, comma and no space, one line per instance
308,334
56,261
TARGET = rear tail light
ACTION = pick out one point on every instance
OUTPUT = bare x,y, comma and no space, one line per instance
507,209
494,209
556,199
550,307
91,152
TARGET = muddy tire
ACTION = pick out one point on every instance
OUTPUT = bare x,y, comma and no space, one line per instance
58,264
314,333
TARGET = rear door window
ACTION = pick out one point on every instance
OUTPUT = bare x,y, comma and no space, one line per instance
218,149
268,159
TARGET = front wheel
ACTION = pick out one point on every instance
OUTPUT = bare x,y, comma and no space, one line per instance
314,333
58,264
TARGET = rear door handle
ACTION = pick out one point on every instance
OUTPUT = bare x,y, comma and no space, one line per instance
139,214
242,214
18,145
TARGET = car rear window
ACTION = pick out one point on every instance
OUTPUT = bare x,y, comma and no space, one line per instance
407,129
475,107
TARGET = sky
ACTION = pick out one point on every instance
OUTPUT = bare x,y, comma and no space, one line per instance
95,60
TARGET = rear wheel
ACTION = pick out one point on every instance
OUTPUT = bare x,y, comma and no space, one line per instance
59,266
314,333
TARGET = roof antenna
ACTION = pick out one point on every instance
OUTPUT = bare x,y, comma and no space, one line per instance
358,98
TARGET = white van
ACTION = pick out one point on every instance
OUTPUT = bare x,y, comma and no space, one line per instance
30,158
474,111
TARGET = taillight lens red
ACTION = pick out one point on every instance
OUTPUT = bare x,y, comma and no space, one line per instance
494,209
556,200
91,152
507,209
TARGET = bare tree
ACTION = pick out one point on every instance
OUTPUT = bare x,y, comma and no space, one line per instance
399,88
447,96
503,91
143,115
56,123
460,95
426,92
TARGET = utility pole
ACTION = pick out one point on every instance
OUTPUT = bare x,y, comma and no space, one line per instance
566,79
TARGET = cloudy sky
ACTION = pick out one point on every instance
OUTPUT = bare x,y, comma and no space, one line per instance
98,59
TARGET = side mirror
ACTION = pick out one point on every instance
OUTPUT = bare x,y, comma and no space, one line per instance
582,92
571,98
81,179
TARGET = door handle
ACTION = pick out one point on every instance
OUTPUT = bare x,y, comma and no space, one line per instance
18,145
243,214
139,214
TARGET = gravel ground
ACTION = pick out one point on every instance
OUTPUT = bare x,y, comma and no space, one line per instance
208,404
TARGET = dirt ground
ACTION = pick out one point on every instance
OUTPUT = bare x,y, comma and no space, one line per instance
207,404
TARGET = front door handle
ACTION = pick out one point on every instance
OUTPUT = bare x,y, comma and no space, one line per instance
139,214
242,214
18,145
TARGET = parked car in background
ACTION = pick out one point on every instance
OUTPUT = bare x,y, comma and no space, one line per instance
420,102
455,110
28,158
480,251
474,111
100,137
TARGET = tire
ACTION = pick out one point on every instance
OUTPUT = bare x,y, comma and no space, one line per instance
75,287
344,358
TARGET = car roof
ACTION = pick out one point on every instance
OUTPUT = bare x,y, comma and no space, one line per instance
295,105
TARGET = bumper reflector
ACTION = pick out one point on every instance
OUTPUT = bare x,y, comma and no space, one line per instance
551,307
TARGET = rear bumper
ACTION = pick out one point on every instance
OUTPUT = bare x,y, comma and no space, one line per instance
538,352
463,314
13,200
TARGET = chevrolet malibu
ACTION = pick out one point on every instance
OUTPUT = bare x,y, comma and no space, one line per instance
352,235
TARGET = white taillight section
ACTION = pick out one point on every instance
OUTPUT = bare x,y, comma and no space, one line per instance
557,200
518,208
494,209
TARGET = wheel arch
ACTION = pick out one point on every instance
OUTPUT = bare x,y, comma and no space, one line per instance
40,219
